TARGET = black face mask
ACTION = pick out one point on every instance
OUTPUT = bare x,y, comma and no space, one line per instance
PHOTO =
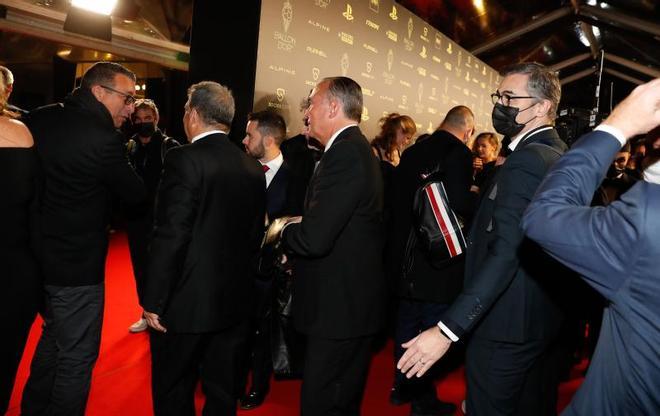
144,129
613,171
504,119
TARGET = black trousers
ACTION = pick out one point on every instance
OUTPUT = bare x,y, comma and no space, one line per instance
138,230
61,369
413,317
20,300
334,375
511,378
261,360
179,360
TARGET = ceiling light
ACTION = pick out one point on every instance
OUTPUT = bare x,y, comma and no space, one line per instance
479,5
592,2
97,6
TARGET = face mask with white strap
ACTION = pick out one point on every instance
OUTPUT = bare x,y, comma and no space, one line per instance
652,173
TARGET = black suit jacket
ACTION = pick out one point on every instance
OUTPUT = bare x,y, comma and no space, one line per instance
207,230
508,293
424,281
339,289
285,194
83,162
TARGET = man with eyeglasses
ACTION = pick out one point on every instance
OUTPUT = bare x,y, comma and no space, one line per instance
84,165
506,306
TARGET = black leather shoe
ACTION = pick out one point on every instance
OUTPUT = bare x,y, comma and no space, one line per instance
432,408
252,400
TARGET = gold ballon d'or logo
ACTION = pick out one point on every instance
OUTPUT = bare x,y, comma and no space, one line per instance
344,64
348,14
370,66
374,6
393,15
281,92
287,15
390,60
315,73
365,114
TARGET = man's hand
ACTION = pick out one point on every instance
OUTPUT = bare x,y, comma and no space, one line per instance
153,321
639,113
423,351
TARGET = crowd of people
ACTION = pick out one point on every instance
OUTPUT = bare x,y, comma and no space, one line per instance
294,257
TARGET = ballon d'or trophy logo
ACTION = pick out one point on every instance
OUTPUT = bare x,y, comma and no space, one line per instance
287,15
370,66
280,94
374,6
315,73
365,114
344,64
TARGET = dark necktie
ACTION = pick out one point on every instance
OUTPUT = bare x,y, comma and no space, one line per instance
265,168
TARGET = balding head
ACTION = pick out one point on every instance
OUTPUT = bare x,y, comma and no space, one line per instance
459,121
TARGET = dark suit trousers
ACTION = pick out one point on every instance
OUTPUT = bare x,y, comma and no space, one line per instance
138,230
261,362
61,369
179,360
508,378
334,375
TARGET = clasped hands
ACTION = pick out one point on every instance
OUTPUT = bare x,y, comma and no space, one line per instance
423,351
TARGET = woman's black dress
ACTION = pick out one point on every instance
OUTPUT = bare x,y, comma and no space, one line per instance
20,293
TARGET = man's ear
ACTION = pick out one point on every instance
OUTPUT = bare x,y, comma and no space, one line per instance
544,107
98,92
269,141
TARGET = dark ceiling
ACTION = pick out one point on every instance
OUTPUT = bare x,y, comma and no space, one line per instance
566,34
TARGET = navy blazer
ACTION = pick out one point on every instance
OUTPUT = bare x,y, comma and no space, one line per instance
508,294
616,250
285,194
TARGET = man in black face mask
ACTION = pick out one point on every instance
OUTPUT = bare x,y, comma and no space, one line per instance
146,151
505,304
617,181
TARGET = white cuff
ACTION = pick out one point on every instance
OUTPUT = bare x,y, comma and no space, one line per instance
613,131
447,332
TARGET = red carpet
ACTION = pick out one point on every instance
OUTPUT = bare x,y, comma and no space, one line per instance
121,379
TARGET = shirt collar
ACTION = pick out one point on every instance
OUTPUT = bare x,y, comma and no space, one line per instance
337,133
206,133
522,137
275,163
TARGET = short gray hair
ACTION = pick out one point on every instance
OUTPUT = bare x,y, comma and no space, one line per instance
543,83
349,93
213,102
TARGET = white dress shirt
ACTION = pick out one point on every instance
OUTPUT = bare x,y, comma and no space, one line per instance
206,133
273,166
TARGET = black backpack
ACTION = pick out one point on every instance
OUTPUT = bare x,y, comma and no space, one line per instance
436,229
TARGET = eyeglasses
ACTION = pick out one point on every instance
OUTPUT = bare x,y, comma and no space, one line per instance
128,98
505,98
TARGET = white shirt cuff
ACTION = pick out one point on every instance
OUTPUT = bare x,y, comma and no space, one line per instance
447,332
614,132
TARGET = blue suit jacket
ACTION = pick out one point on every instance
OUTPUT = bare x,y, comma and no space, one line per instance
616,250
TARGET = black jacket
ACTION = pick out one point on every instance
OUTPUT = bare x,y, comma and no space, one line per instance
83,163
424,281
207,231
339,289
510,292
